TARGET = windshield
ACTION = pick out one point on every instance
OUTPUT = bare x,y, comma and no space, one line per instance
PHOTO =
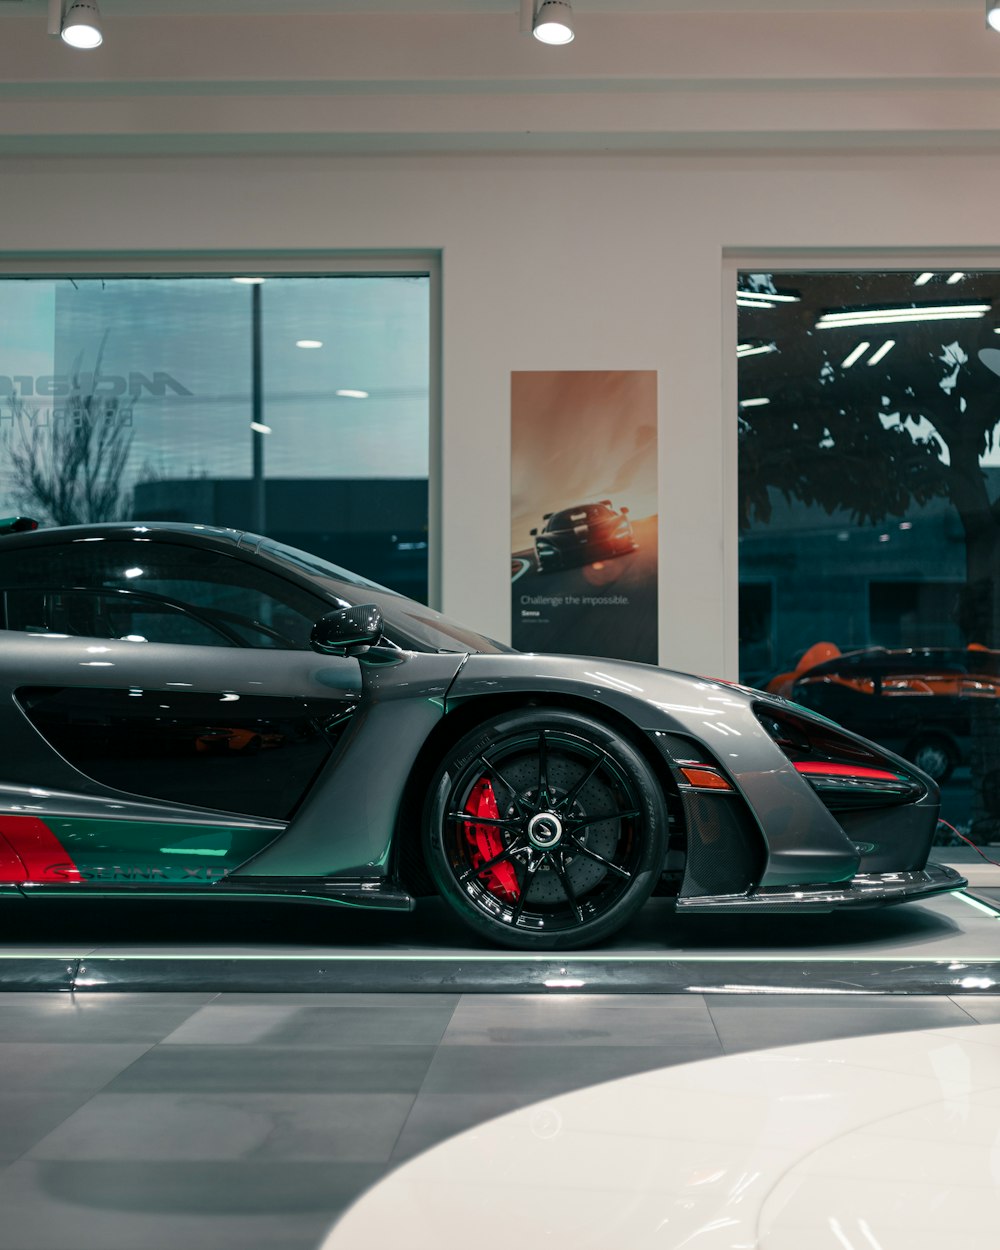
409,624
586,514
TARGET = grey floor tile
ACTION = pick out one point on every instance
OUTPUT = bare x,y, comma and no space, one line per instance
436,1117
985,1008
283,1024
26,1117
742,1030
94,1017
264,1069
163,1206
334,1002
57,1067
580,1021
544,1071
360,1128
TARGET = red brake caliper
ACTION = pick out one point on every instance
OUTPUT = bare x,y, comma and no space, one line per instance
487,844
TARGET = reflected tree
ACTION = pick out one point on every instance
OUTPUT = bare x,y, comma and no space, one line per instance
67,464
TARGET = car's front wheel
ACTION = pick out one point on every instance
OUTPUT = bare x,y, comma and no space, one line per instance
545,829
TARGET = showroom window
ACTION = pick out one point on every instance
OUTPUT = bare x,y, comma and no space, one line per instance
869,503
295,406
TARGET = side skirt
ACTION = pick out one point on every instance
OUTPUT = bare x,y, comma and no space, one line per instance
367,892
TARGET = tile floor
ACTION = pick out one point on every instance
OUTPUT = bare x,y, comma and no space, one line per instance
208,1121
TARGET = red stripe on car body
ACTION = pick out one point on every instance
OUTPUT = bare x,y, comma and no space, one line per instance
29,848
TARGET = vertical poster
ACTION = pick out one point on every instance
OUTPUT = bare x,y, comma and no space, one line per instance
583,513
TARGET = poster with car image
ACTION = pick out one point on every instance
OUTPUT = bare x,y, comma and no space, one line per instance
584,513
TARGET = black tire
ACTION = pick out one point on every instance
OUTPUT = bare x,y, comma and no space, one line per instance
512,836
934,755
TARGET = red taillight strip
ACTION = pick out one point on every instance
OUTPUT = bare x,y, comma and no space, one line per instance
850,772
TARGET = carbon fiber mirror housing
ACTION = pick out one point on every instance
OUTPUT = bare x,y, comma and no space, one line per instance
347,630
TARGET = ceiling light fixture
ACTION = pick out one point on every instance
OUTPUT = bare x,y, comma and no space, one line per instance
993,14
923,279
309,343
351,394
79,25
248,281
550,21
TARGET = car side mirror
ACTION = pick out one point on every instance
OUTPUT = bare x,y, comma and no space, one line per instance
533,533
347,630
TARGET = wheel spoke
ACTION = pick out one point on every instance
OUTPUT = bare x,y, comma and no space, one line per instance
566,803
467,818
600,820
530,868
559,864
498,776
506,853
543,771
580,849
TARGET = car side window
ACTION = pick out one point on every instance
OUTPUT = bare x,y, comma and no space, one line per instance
148,591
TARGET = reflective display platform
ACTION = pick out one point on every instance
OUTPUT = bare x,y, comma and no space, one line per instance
947,945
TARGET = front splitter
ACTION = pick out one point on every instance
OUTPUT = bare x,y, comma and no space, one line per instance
946,945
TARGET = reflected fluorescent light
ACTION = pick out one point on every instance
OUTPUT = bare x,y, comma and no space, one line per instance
754,403
260,429
955,277
906,525
135,572
854,356
563,983
768,297
923,279
249,281
993,14
347,394
81,25
748,349
553,22
882,352
895,316
308,343
752,303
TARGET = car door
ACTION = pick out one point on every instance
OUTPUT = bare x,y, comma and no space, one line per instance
166,714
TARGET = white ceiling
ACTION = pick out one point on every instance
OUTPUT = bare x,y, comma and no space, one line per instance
206,8
456,76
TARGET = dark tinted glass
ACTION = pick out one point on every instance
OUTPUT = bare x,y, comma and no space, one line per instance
869,502
154,592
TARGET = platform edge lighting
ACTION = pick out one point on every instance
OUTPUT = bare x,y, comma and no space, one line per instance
80,24
993,14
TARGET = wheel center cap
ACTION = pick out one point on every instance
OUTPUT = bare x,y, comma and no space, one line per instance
545,830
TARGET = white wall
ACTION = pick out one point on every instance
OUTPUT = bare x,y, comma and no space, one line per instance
549,262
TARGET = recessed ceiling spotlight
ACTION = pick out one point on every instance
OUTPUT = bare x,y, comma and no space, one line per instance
80,25
553,22
993,14
308,343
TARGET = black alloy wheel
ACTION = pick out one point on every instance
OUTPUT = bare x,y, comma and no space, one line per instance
545,830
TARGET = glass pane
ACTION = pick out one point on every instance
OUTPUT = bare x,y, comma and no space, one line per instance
869,427
132,398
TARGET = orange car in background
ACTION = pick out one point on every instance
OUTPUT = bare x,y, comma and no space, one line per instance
916,701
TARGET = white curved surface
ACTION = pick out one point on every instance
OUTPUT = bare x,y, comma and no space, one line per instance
889,1142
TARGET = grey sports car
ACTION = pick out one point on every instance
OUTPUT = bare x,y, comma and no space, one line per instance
195,710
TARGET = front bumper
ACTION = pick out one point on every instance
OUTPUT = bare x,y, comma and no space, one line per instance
867,889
